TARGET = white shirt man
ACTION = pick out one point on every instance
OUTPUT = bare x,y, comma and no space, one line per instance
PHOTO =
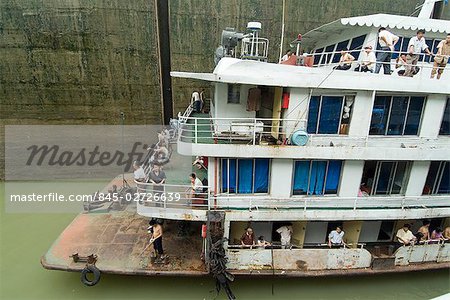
387,39
336,237
416,45
285,233
405,236
139,174
368,59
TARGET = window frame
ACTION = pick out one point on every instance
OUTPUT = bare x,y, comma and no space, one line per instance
391,179
388,119
234,92
309,178
437,179
227,192
319,113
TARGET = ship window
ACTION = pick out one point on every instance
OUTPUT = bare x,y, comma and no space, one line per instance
325,114
317,56
234,93
316,177
340,46
245,176
329,53
396,115
384,177
445,125
356,44
438,179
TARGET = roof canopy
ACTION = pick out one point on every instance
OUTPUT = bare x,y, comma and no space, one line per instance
377,20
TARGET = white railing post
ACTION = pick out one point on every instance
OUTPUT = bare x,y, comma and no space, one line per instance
254,131
195,130
355,203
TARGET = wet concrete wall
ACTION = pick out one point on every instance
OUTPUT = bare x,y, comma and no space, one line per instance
85,61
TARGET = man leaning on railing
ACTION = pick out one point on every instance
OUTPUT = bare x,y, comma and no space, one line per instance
415,47
441,58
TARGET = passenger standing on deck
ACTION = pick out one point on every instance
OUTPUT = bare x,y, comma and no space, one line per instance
415,47
425,231
158,178
196,188
335,238
157,241
387,41
405,236
196,102
286,234
441,58
346,60
248,238
139,174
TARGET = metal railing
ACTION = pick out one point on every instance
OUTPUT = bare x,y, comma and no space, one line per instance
257,202
172,196
330,56
253,131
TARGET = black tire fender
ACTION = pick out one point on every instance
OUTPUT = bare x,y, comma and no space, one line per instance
90,269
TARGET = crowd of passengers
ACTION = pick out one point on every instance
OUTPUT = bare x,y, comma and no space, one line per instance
335,238
404,236
405,64
423,235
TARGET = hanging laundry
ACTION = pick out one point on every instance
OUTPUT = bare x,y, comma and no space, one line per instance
254,99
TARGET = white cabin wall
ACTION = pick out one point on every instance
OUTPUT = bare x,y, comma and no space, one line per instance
231,110
281,178
417,178
298,109
432,116
350,178
361,114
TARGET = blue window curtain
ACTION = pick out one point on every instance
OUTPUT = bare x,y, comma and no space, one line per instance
261,176
245,176
380,113
445,125
333,176
330,115
301,174
414,115
317,177
232,187
398,115
313,114
384,178
444,186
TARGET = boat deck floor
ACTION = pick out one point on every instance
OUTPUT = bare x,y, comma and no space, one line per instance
118,239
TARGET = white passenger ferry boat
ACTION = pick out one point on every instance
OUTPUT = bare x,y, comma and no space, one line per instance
303,145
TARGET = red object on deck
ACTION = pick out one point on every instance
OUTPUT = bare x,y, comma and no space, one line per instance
204,231
285,102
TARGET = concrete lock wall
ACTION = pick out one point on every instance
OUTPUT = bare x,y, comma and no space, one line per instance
85,61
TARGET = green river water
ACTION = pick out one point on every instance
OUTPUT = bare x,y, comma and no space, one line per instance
25,237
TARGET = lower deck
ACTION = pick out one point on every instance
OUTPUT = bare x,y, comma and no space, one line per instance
119,240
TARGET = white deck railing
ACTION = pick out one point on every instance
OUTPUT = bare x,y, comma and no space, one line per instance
422,65
179,197
172,196
236,130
